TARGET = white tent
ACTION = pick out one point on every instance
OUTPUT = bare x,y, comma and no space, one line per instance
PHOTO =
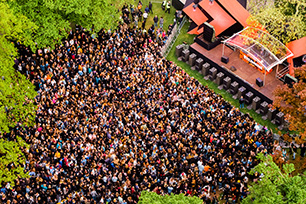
263,48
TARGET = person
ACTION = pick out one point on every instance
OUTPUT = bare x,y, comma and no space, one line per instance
178,14
180,17
145,17
136,21
241,102
161,22
163,5
168,6
115,118
140,15
143,25
150,7
303,148
139,5
132,10
155,20
147,9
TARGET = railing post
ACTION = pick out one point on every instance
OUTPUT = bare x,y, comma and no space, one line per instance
175,33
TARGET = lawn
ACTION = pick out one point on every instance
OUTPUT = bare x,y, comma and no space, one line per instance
184,37
157,10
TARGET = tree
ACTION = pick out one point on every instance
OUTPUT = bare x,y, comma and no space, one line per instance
292,7
154,198
16,93
54,18
292,102
285,21
39,23
12,160
35,23
276,186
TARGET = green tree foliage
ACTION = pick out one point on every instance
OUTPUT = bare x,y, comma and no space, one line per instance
153,198
39,23
36,23
292,7
55,17
15,91
12,160
285,20
276,186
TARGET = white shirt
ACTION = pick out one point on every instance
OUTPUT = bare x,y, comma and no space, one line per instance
145,15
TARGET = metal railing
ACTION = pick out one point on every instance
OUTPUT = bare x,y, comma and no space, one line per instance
281,73
172,38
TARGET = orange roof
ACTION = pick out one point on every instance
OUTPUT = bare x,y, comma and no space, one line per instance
194,31
222,20
236,10
201,30
196,15
298,47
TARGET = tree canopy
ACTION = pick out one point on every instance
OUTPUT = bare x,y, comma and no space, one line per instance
54,18
11,160
16,91
292,102
154,198
37,24
276,185
285,19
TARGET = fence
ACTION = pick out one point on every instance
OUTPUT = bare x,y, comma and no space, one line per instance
172,38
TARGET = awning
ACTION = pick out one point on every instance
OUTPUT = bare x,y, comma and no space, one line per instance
261,46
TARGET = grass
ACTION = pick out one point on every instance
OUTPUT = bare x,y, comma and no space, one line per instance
156,7
184,37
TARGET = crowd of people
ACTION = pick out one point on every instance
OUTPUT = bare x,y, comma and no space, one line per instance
115,118
134,15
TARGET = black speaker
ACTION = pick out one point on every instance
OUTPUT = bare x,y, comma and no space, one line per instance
205,69
219,79
279,119
259,82
248,98
271,113
213,73
241,92
227,83
192,59
234,88
263,108
224,59
199,63
256,103
209,32
179,50
185,55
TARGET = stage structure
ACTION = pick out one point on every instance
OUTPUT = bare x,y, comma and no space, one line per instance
178,4
225,16
259,49
222,26
298,47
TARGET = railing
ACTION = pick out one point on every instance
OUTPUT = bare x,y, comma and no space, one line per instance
172,38
281,73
